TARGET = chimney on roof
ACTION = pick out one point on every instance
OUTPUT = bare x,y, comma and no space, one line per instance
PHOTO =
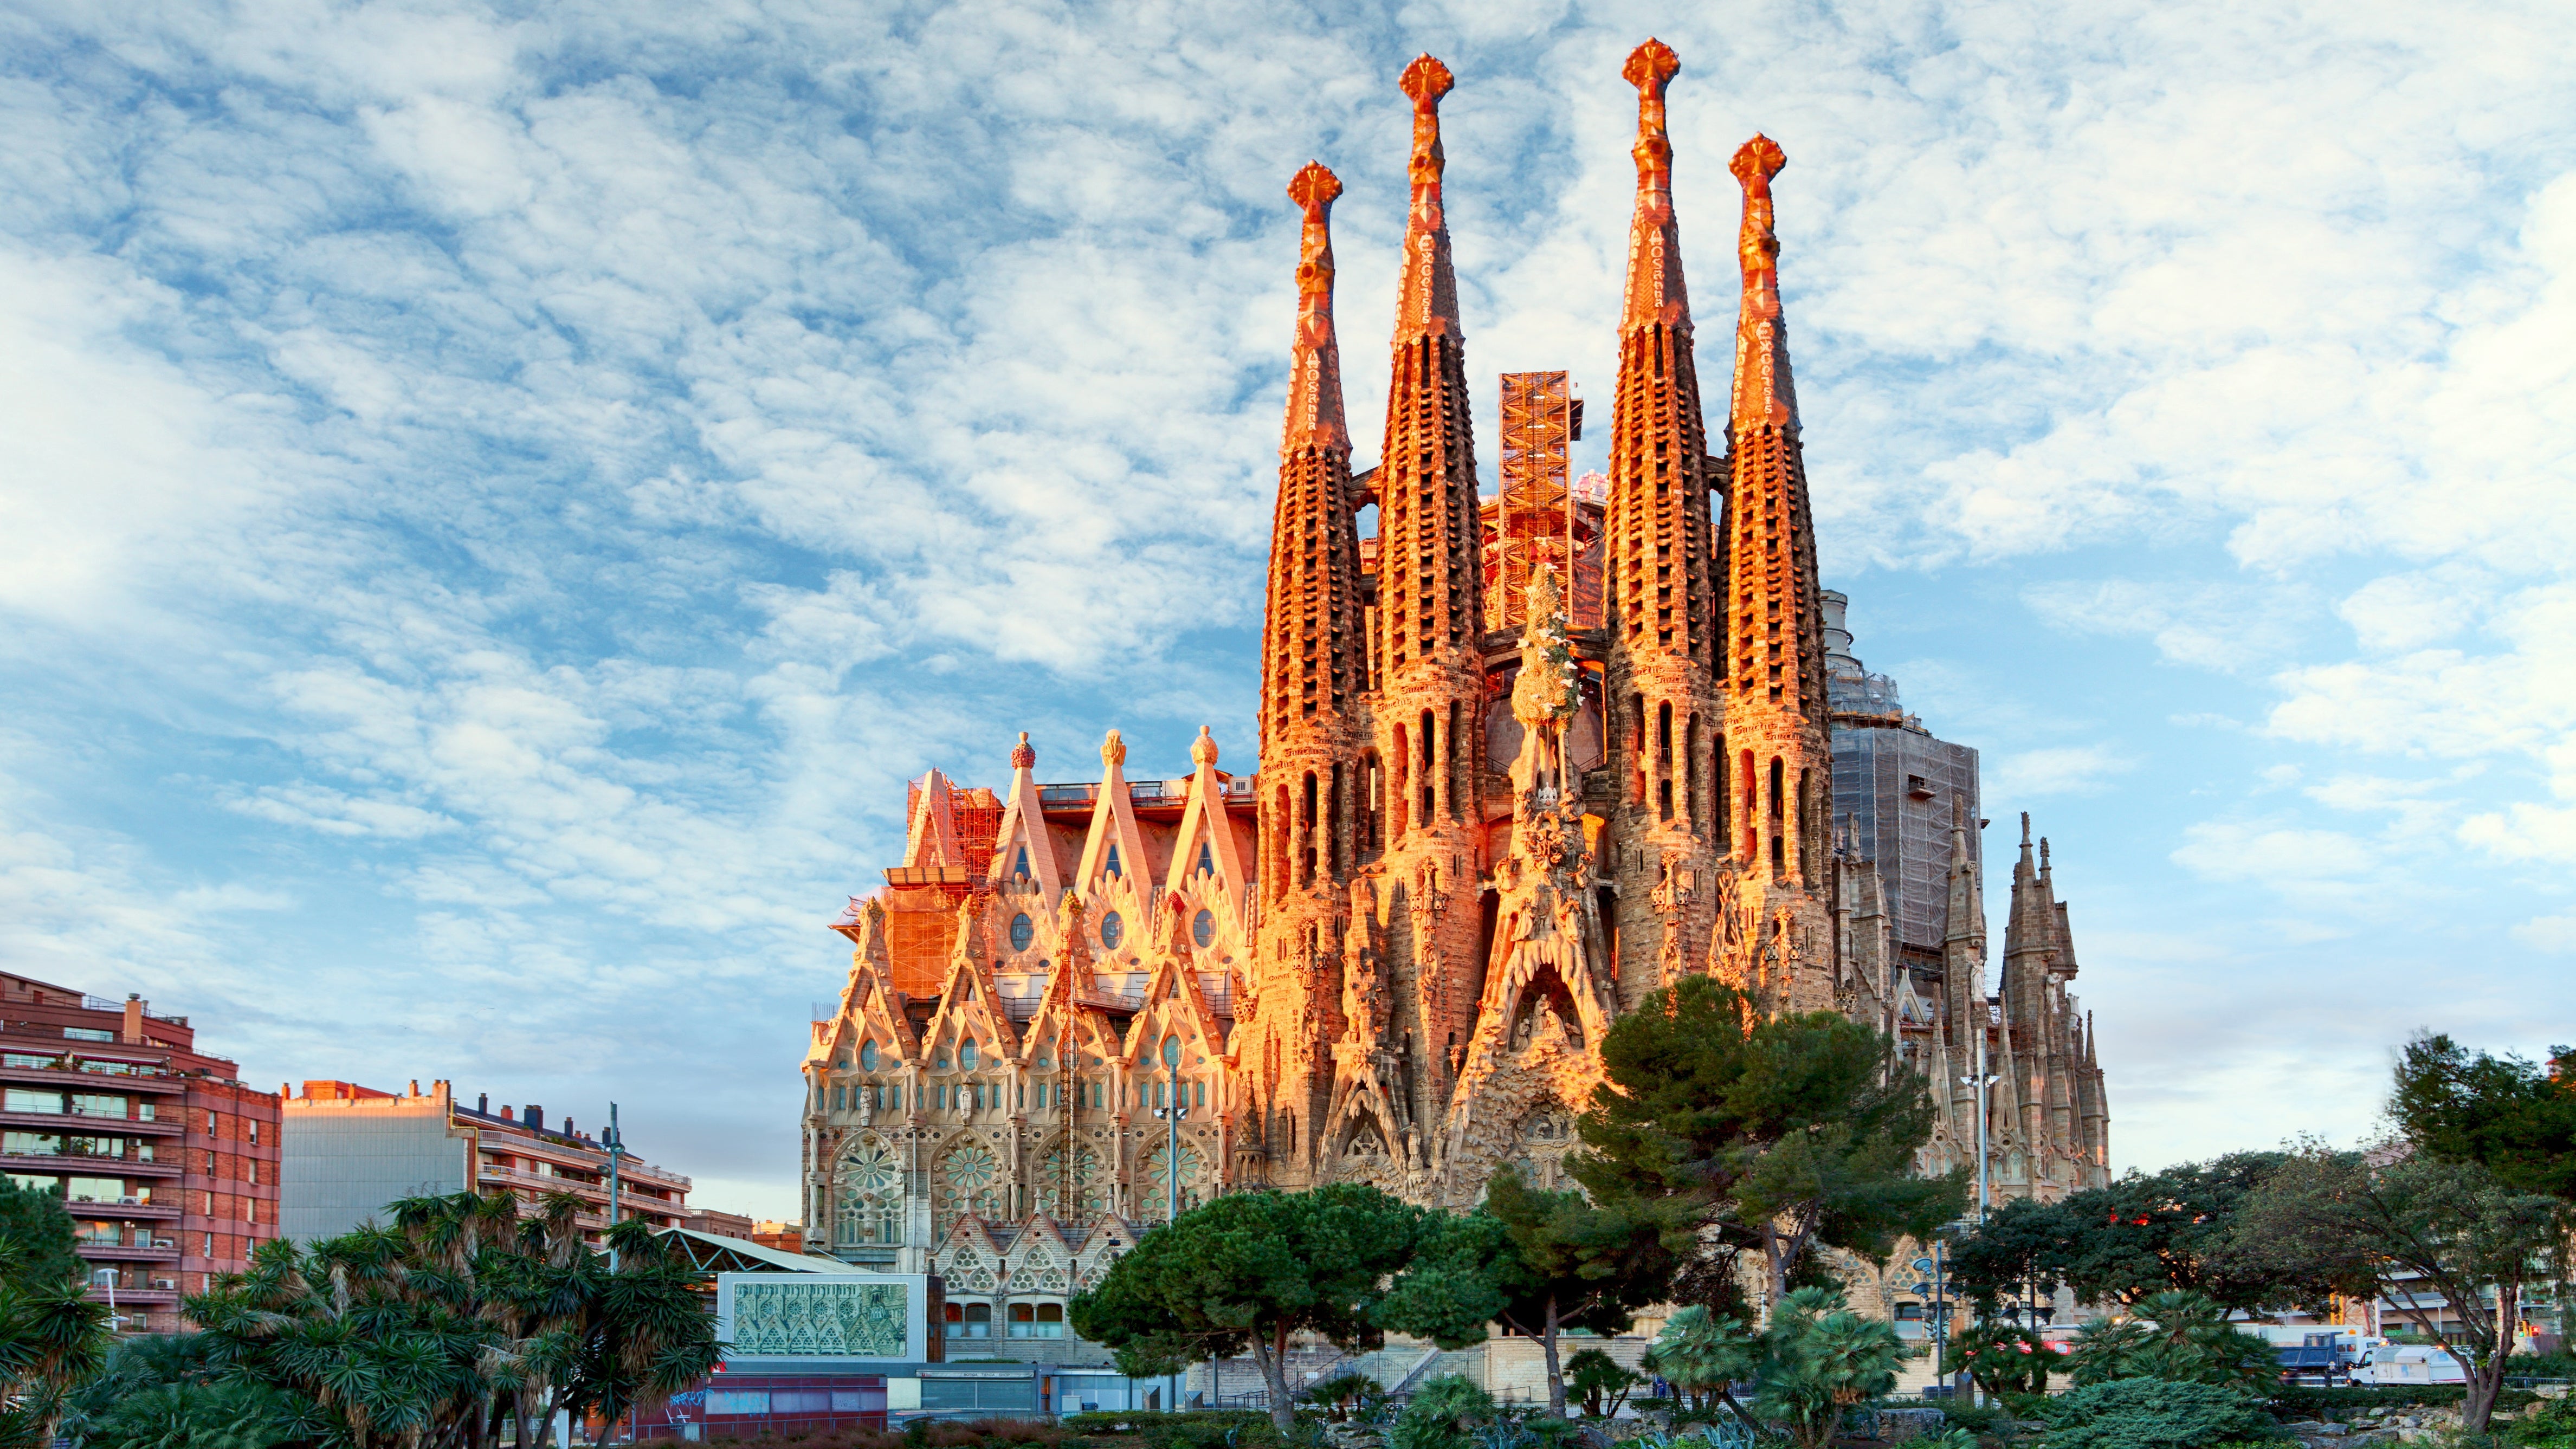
536,1118
483,1103
567,1128
506,1111
133,1034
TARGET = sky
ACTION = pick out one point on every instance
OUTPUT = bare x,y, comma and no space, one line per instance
496,499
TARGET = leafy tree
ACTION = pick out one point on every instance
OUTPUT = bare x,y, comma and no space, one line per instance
2145,1234
1255,1269
2515,1119
2157,1414
2006,1358
36,1222
52,1336
1602,1382
1782,1132
1700,1354
1823,1359
1571,1264
2412,1228
2177,1337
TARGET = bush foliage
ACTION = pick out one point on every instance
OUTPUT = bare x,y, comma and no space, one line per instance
2156,1414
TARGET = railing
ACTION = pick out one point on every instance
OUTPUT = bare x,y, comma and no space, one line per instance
101,1003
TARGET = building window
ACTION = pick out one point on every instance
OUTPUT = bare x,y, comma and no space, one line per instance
254,1132
210,1246
1095,1094
1112,867
966,1056
1201,1093
867,1056
836,1099
1023,930
1203,927
1037,1320
83,1033
970,1320
1112,929
31,1099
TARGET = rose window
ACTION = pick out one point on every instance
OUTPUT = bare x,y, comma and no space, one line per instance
871,1199
1158,1174
969,1180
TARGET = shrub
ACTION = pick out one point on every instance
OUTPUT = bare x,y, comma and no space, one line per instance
1976,1418
2551,1424
2156,1414
1340,1393
1444,1414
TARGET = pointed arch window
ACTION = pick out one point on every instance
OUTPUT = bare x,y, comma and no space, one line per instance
1021,866
1112,865
1207,862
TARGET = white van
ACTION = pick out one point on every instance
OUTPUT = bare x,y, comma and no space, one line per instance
2409,1363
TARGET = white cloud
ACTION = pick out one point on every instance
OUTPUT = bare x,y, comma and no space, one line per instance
2062,770
529,489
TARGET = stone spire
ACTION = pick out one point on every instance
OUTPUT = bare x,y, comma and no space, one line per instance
1315,365
1427,297
1963,936
1763,393
1773,663
2030,932
1430,575
1660,573
1311,650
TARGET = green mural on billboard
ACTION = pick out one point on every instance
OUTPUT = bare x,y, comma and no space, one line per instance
862,1320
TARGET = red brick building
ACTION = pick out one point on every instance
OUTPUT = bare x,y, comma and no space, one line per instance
168,1162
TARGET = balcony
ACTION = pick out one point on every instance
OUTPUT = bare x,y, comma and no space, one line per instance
157,1250
92,1122
126,1208
74,1164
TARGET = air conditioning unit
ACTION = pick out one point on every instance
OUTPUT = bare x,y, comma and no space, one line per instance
130,1200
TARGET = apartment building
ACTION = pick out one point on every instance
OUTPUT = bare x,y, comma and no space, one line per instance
350,1150
166,1159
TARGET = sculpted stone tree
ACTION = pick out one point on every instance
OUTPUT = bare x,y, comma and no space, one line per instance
1782,1133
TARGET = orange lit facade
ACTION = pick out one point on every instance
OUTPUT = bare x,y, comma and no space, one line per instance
1524,759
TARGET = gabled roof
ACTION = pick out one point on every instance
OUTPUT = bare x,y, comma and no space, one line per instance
711,1254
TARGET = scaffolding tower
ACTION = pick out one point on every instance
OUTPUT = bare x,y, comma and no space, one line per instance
1534,524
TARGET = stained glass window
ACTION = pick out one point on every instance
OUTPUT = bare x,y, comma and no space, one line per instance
871,1206
969,1180
1089,1190
1112,930
867,1056
1023,931
966,1056
1203,929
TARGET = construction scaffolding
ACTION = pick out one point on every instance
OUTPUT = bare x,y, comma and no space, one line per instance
1534,524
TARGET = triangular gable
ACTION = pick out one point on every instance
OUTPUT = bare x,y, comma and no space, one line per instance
1024,848
930,837
869,1007
1174,1003
1063,1026
1116,840
1206,857
970,1008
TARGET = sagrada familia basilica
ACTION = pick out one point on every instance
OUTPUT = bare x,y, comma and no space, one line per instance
1524,760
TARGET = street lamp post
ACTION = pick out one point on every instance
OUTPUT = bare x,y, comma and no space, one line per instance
1983,1083
1172,1116
616,1147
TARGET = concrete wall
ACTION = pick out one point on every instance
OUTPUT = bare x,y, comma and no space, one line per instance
341,1161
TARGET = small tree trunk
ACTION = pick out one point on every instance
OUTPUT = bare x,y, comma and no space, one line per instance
1274,1372
1555,1370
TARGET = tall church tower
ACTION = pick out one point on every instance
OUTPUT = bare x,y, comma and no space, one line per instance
1428,765
1777,716
1660,576
1313,665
